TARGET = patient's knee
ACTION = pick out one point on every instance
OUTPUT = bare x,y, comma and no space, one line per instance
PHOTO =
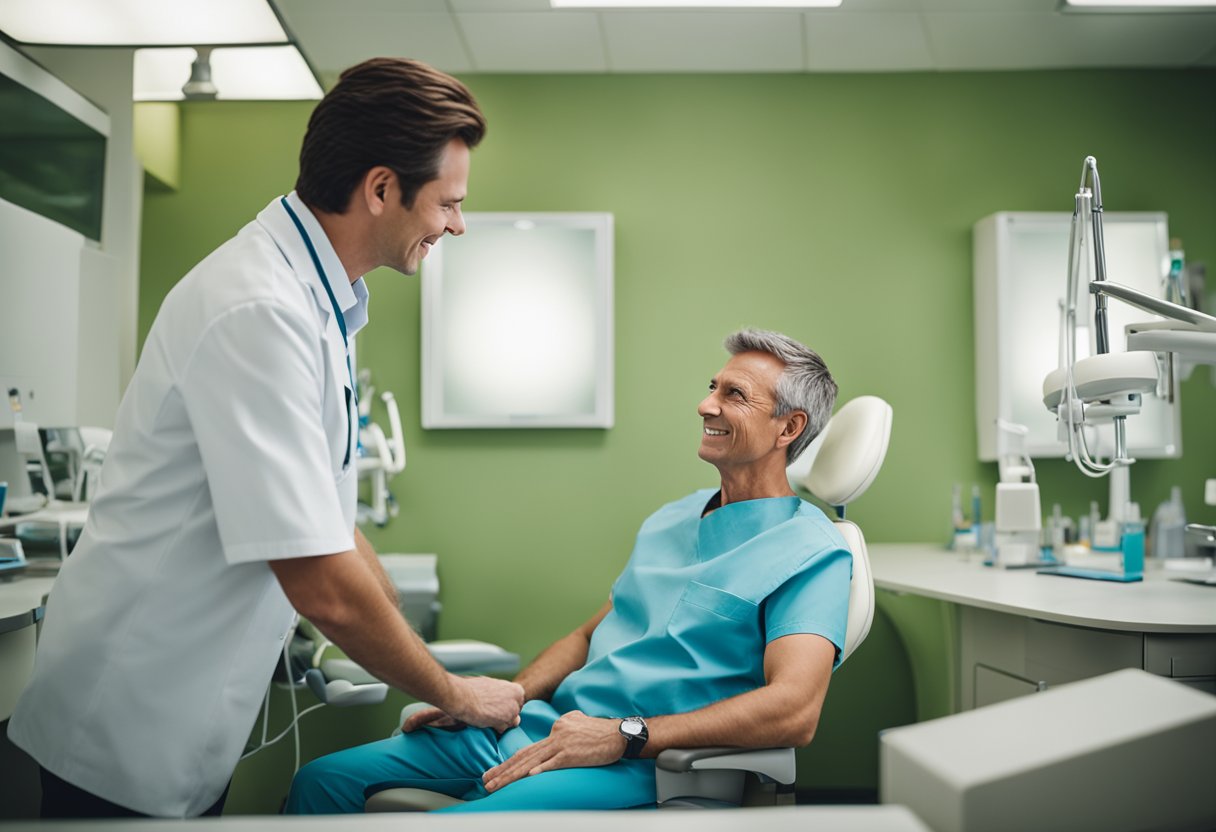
324,787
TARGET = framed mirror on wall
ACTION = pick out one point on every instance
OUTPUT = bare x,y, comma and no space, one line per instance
517,323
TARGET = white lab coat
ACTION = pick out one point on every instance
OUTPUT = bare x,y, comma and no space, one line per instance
229,450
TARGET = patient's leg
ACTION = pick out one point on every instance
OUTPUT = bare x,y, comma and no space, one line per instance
448,761
622,785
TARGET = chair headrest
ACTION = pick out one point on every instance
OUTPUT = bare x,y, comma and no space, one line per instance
851,455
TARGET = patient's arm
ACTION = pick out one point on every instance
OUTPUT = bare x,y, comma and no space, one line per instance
539,679
784,712
561,658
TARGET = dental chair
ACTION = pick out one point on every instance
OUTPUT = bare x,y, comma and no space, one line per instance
848,456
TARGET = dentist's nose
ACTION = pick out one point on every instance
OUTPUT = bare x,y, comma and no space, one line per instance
456,226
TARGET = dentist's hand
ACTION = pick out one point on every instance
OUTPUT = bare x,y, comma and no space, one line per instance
430,718
575,741
487,703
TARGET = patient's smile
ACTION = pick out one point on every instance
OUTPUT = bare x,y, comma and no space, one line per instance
712,432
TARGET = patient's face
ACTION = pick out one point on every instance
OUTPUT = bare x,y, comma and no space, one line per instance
739,428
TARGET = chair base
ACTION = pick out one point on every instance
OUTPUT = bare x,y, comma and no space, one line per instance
409,800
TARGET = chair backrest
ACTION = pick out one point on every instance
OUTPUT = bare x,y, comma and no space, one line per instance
849,457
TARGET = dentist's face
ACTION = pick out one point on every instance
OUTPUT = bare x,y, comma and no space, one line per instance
739,427
409,233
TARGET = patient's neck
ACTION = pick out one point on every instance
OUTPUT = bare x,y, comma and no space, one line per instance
754,482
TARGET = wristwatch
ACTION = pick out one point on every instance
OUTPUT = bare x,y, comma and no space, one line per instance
633,729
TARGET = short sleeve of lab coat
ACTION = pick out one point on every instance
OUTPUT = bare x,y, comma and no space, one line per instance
252,391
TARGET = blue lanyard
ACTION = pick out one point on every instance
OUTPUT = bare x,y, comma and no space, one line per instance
352,391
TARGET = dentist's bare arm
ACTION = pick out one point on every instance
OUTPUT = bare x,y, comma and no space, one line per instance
342,595
540,678
364,548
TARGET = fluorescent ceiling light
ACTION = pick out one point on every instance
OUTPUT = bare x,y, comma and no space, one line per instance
692,4
1138,5
258,73
140,22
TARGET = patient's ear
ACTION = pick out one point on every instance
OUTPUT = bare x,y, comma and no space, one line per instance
795,424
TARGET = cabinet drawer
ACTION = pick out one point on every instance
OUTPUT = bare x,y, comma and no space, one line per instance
992,686
1181,655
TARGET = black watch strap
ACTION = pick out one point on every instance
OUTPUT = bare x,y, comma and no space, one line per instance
635,732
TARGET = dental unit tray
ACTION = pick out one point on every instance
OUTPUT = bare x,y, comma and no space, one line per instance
1093,574
12,558
456,656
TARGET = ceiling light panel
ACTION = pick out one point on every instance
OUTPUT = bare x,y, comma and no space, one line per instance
1139,5
140,22
257,73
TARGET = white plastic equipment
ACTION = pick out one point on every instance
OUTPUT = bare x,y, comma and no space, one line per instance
380,456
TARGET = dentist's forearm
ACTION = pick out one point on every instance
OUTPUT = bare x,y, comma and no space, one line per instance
343,596
373,563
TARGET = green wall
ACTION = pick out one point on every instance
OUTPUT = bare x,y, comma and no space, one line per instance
836,208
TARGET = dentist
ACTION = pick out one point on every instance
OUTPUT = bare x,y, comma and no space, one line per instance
227,499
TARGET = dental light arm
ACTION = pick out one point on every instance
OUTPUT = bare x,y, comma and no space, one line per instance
1104,386
1157,306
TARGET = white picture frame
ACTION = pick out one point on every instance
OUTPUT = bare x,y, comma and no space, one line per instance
517,323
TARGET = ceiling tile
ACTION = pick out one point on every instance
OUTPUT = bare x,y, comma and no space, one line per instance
1048,41
703,41
988,6
534,42
866,42
334,41
359,7
500,6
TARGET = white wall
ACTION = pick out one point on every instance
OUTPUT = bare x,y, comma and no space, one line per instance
70,331
106,77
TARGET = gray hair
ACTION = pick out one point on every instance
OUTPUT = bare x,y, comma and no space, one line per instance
805,384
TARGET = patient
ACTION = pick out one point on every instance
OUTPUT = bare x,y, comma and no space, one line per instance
723,630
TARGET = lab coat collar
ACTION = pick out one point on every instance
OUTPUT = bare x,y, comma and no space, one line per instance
351,297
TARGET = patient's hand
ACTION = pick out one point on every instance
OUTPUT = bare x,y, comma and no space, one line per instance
431,718
576,741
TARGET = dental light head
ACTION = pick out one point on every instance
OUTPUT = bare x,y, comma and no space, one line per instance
1114,379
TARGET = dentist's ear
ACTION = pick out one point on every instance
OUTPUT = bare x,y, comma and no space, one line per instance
376,187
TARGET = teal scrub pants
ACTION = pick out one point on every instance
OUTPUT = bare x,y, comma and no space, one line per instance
452,762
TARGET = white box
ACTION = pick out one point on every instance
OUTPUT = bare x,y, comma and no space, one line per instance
1121,752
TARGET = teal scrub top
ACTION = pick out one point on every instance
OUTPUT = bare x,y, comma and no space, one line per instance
701,597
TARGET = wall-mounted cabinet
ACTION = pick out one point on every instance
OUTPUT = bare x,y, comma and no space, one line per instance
1020,278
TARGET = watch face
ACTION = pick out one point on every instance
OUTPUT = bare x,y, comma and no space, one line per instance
631,727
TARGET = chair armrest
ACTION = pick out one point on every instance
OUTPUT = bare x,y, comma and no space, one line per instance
775,763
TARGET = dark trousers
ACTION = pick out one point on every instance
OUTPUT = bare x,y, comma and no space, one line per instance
60,799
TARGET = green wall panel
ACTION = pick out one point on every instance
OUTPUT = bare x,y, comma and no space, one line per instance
836,208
